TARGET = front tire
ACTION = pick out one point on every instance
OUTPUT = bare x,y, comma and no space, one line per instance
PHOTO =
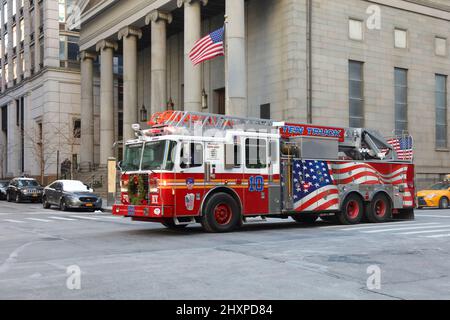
8,197
352,210
443,203
62,205
221,214
45,203
379,209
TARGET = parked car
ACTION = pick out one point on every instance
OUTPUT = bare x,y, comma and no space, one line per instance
437,195
71,194
3,186
24,189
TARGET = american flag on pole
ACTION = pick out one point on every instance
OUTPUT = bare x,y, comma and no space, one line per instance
403,147
314,186
208,47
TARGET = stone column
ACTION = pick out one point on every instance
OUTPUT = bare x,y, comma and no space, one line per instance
130,37
106,50
159,21
87,111
236,66
192,74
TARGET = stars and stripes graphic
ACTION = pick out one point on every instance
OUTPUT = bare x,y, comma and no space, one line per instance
364,173
403,147
314,186
208,47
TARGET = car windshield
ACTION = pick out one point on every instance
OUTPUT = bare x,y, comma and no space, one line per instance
132,158
440,186
158,155
75,186
28,183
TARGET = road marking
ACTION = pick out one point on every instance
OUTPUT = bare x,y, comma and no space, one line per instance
381,225
115,218
439,236
85,218
431,215
39,220
62,219
14,221
400,229
426,231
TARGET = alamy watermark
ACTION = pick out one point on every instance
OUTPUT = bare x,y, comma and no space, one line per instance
374,279
73,281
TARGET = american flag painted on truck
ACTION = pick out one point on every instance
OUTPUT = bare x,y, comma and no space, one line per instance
376,173
315,183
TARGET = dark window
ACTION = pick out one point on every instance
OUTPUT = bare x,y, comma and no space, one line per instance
18,112
77,128
265,111
441,111
4,119
356,94
401,100
255,153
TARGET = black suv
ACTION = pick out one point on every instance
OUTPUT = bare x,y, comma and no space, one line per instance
24,189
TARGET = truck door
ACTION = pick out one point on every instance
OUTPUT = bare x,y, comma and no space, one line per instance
189,179
274,177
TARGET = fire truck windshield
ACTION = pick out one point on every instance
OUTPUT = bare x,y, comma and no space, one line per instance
155,155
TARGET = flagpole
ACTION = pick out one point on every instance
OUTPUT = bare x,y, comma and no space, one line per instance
225,48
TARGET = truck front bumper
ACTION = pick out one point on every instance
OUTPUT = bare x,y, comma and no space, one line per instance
150,212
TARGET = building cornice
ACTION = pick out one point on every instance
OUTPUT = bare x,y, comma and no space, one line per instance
422,7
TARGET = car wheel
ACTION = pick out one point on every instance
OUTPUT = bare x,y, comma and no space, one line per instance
8,197
45,203
379,209
352,210
443,203
62,205
221,214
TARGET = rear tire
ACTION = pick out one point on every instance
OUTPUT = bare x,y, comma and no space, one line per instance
306,218
379,209
221,214
352,210
443,203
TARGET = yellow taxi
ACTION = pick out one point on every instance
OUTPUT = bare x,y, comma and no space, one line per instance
437,195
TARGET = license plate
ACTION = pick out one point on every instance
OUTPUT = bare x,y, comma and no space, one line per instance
89,205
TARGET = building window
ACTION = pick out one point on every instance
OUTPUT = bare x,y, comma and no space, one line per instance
14,69
14,31
401,38
265,111
356,94
68,51
355,29
14,7
22,30
77,128
5,12
441,111
440,45
401,100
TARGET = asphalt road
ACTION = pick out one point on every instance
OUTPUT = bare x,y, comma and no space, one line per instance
121,259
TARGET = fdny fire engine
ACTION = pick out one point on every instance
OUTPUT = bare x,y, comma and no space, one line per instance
221,170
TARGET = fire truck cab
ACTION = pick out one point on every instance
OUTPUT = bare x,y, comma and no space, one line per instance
219,171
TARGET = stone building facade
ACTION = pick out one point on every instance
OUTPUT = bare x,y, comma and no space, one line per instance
40,88
382,64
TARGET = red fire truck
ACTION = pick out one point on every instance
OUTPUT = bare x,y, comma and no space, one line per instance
221,170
